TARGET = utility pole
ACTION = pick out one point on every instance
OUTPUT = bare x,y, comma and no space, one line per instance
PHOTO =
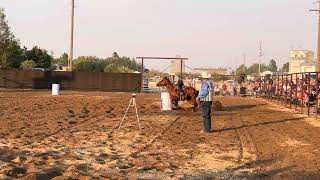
318,53
244,63
260,56
236,66
70,60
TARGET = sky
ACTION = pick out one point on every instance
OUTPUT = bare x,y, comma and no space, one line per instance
211,33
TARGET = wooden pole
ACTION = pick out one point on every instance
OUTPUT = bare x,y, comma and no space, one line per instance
70,61
181,68
142,77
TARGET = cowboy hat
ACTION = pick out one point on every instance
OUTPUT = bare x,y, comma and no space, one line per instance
205,75
172,74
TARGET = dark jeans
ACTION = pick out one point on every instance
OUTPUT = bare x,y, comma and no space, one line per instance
206,113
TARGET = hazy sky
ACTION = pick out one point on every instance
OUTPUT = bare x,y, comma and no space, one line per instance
212,33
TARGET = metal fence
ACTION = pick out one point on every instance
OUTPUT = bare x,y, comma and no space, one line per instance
299,91
113,82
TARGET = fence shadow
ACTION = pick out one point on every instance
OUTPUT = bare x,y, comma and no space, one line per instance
259,124
242,107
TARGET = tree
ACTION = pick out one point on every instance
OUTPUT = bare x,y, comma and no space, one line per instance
115,55
285,67
14,55
254,68
40,57
241,69
11,54
273,66
84,65
28,64
62,60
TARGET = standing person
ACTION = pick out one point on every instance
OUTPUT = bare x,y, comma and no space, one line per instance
206,97
234,86
171,77
224,89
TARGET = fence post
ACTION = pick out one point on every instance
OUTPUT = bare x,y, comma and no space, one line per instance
291,84
281,96
309,92
286,95
317,90
296,93
302,93
278,85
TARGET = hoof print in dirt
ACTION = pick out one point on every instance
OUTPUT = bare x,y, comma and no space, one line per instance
71,115
49,174
83,169
85,110
100,160
16,172
111,116
103,155
146,169
72,122
109,110
71,111
83,115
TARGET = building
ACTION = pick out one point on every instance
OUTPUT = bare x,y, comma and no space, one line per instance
301,61
176,66
220,71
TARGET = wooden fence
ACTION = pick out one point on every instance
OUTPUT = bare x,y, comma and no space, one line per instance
113,82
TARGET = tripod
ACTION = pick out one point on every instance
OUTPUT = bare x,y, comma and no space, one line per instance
132,103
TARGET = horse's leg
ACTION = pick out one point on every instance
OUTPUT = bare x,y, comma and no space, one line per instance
193,101
176,104
195,105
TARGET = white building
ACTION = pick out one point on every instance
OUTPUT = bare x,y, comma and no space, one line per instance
301,61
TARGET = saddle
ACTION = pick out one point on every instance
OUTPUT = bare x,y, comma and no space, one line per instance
182,93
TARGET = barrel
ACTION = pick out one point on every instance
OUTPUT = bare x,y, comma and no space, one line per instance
166,104
55,89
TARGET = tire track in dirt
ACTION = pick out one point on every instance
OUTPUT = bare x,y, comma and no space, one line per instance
149,144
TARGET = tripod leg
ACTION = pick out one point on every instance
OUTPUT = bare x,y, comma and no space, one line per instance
125,114
135,106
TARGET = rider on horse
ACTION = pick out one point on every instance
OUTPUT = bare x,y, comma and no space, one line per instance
179,83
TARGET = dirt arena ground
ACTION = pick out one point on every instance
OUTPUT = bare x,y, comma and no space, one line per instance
74,136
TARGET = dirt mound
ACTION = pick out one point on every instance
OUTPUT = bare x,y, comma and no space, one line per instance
217,106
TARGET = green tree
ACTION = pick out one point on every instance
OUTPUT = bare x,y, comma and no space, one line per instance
115,55
62,60
84,65
40,57
254,68
285,67
273,65
28,64
11,54
14,55
241,69
113,64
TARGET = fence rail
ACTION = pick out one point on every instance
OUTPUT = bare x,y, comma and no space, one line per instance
298,90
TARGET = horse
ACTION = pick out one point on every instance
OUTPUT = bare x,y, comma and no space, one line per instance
190,92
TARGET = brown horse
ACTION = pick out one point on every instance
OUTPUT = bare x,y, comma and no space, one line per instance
191,93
